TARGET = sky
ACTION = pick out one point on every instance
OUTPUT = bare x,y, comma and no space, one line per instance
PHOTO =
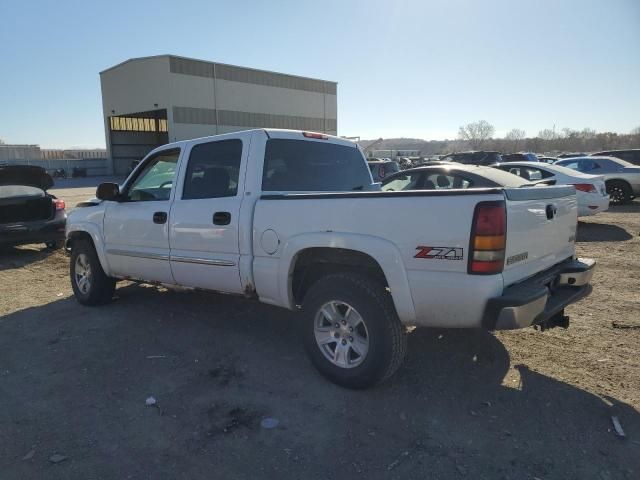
415,68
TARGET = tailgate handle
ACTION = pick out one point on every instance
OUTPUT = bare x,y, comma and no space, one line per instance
551,212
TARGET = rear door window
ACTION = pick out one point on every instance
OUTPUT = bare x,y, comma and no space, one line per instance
213,170
307,166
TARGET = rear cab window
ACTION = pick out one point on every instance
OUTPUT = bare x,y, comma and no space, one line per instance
308,166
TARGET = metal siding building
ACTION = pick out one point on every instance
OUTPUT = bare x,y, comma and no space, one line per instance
150,101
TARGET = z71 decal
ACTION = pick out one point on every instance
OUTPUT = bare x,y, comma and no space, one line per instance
439,253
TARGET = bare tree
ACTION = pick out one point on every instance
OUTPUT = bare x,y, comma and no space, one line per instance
1,142
549,134
476,133
515,137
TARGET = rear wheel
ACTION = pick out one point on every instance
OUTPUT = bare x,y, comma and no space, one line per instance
91,286
351,330
619,192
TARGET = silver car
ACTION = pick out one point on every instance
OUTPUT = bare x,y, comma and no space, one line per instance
621,177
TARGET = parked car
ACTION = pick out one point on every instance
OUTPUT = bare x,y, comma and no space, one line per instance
28,214
448,176
380,169
631,155
264,214
78,172
621,178
590,189
520,157
474,158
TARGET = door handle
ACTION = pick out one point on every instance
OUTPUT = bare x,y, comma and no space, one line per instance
160,217
221,218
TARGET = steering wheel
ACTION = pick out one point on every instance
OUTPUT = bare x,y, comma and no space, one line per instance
168,182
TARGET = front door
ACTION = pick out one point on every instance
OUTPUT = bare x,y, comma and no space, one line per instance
204,220
136,228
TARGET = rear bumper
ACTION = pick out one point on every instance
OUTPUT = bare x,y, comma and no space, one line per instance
540,297
592,204
33,232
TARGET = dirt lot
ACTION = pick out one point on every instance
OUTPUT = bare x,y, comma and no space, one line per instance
467,404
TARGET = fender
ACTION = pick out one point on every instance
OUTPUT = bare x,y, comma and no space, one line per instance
93,230
382,251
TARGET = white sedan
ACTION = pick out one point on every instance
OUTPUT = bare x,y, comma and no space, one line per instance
590,189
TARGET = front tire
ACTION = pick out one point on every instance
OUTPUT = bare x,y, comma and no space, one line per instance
351,330
91,286
619,192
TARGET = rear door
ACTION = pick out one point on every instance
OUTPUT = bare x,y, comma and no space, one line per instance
205,217
541,229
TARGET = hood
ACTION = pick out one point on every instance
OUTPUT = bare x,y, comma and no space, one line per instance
29,175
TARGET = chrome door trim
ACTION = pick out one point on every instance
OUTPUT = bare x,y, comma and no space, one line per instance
202,261
130,253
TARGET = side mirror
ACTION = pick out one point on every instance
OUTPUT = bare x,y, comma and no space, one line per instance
108,191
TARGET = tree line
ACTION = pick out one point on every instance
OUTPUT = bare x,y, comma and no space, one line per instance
480,135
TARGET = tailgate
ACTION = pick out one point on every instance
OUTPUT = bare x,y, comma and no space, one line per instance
541,229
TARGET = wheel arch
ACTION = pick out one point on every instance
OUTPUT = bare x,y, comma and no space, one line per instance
87,232
307,257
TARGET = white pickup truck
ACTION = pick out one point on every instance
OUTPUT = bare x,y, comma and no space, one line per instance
293,219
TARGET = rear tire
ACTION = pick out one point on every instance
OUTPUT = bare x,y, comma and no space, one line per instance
91,286
353,315
619,192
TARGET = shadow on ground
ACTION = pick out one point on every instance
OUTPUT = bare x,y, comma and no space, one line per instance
73,381
601,232
18,257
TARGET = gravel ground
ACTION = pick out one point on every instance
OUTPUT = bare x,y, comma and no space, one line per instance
466,404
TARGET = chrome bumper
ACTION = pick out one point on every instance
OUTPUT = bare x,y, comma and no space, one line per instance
540,297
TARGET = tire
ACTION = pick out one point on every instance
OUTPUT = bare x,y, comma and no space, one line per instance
98,288
54,245
619,192
372,341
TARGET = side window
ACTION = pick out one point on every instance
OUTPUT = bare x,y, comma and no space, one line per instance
213,170
587,165
572,165
440,181
402,182
156,179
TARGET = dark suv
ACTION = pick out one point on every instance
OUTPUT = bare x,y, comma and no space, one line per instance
475,158
631,155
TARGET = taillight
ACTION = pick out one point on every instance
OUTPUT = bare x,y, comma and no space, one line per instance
488,238
59,203
319,136
585,187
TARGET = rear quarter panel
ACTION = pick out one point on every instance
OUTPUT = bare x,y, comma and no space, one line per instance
421,243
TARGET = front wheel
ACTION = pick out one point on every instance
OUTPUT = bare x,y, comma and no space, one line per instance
351,330
91,286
